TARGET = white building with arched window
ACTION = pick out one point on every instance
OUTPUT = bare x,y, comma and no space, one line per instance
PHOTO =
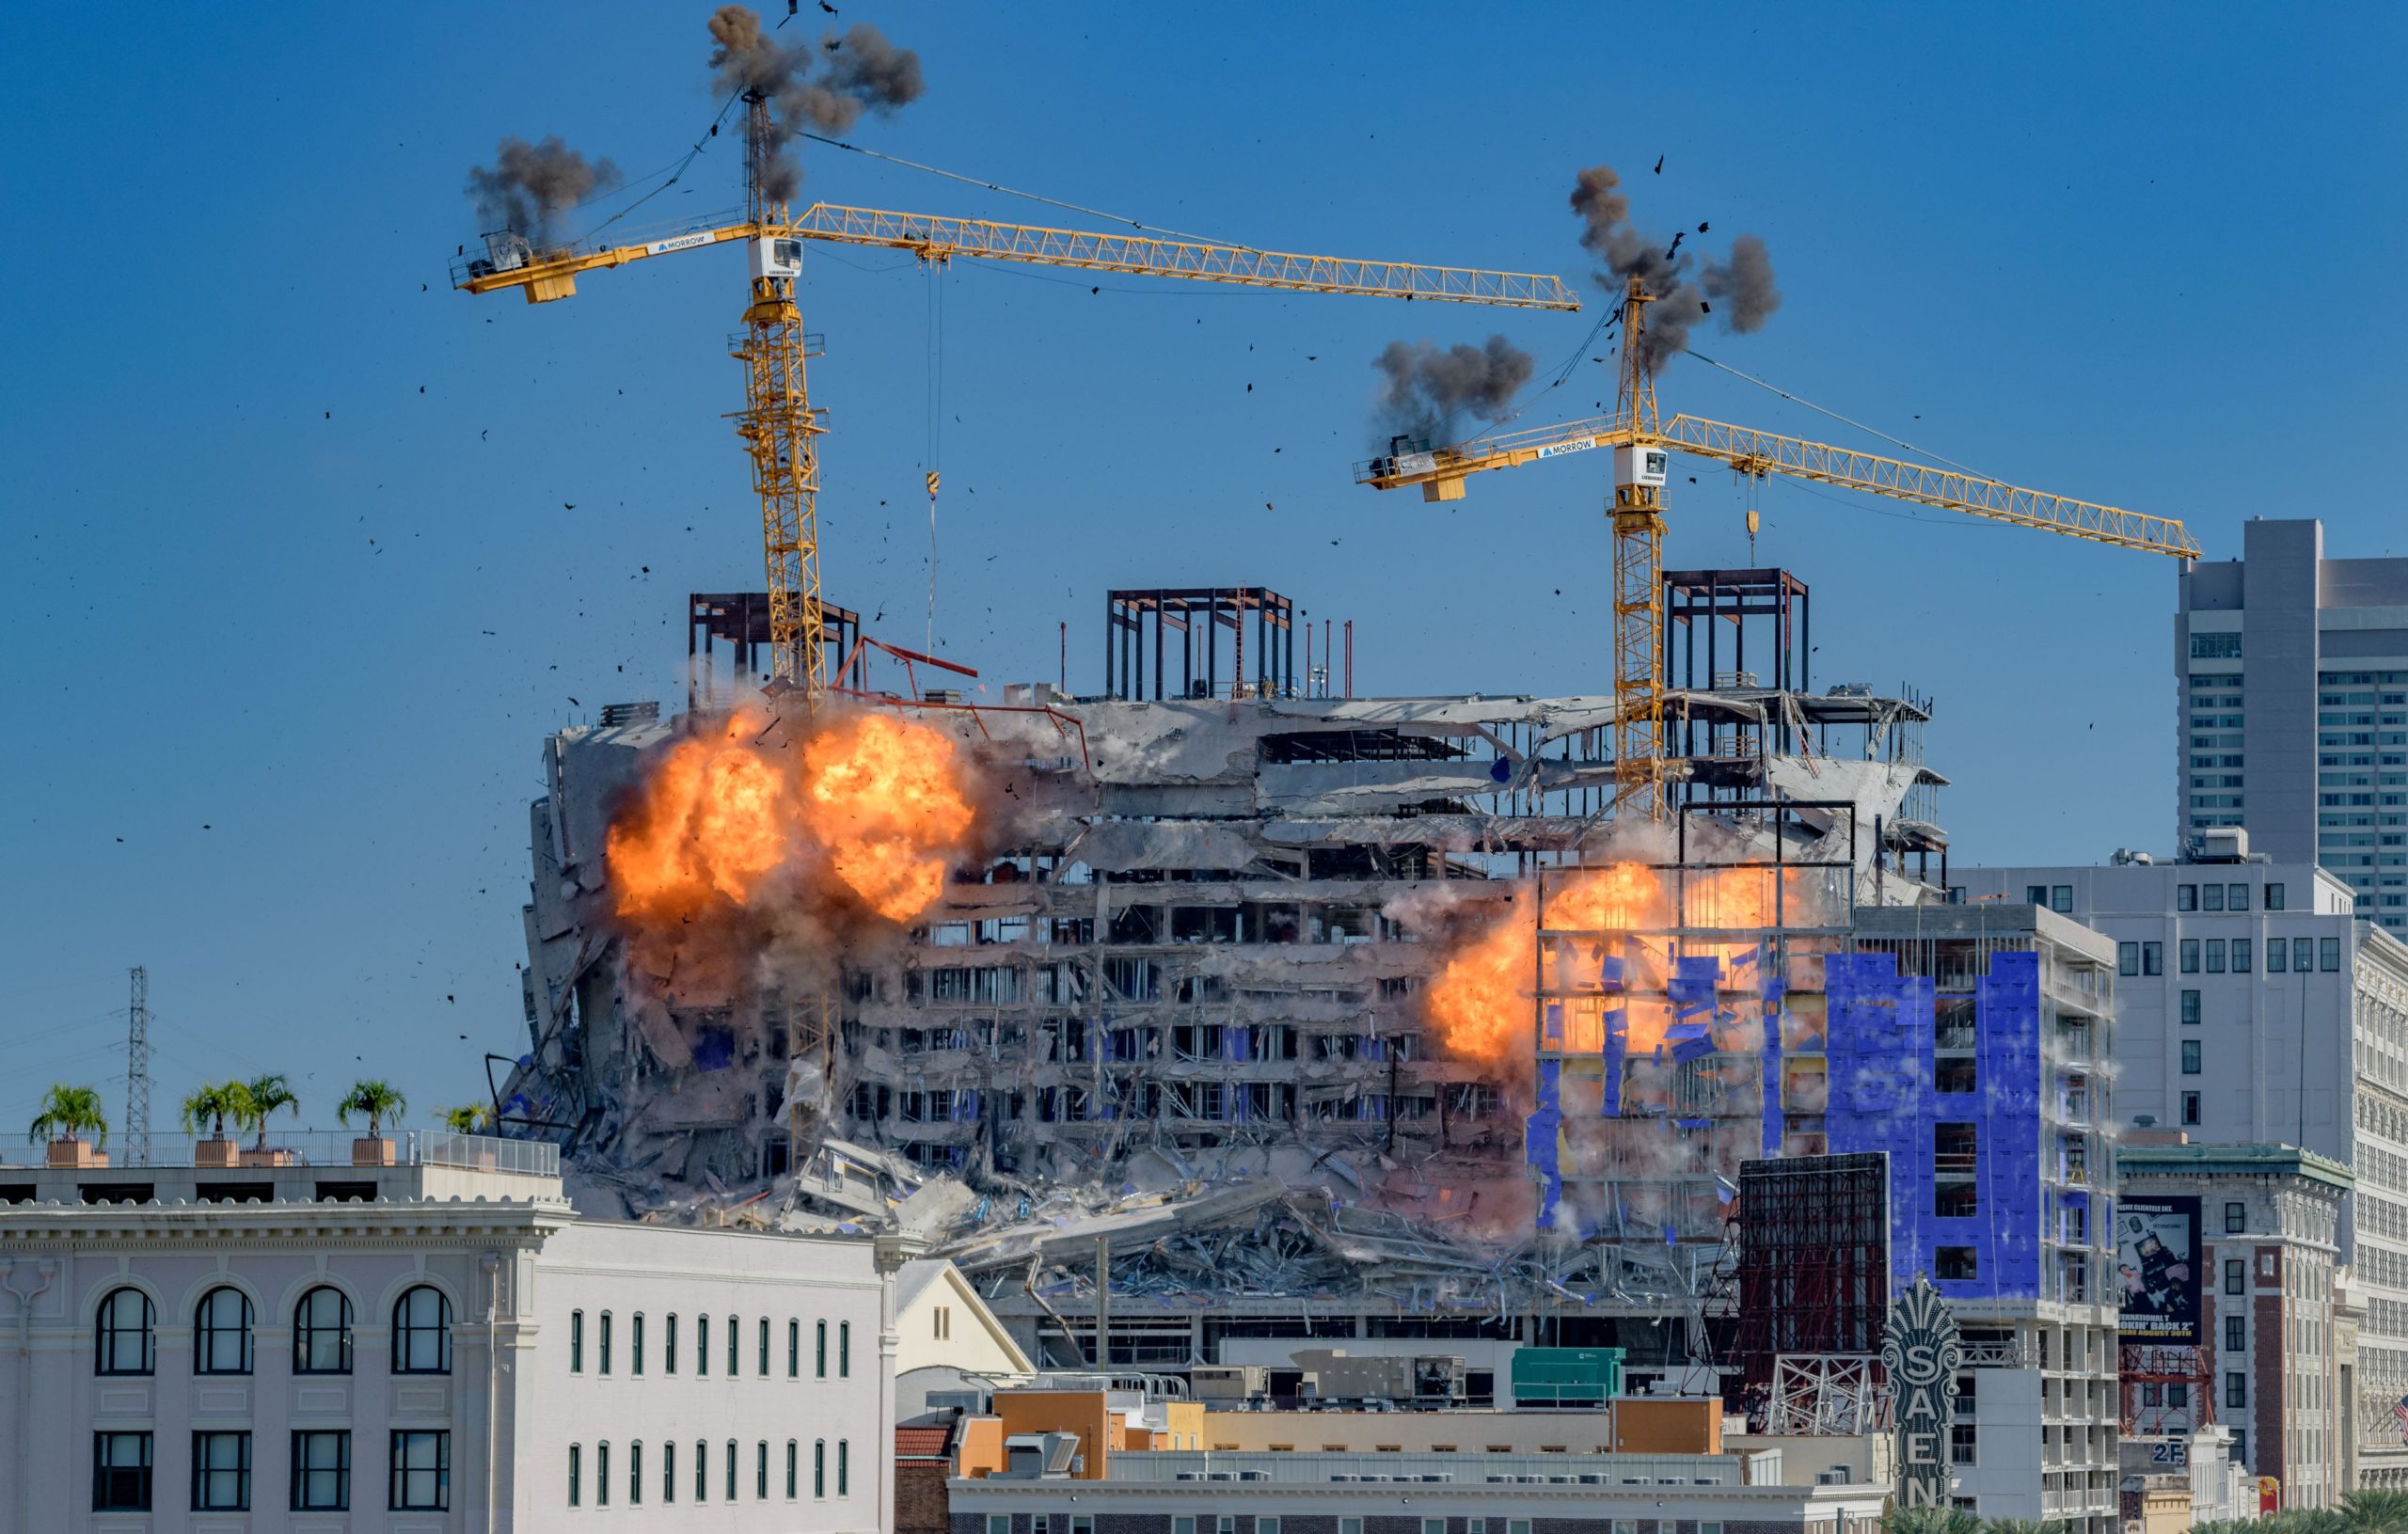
323,1349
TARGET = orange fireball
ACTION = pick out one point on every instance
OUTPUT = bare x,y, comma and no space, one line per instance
1481,1002
882,796
713,821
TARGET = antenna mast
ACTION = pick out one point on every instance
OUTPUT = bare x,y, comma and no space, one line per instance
138,1071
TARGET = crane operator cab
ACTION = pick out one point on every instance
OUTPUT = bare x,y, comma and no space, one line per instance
506,250
1638,463
776,256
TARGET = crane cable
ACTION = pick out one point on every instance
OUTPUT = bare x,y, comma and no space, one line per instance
935,362
1893,441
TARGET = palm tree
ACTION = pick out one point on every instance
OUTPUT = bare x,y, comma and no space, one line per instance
378,1100
1930,1521
213,1104
265,1095
2380,1512
2022,1525
69,1112
475,1119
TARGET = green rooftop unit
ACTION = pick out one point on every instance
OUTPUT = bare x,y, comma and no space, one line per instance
1566,1376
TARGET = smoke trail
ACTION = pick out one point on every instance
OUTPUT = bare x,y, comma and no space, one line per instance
1426,385
824,88
530,185
1741,285
1744,283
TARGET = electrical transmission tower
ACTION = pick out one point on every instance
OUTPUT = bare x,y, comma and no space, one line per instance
137,1071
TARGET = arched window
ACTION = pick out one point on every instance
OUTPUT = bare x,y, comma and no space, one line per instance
322,1332
765,1348
669,1470
125,1333
820,1467
576,1453
602,1475
635,1473
790,1469
422,1333
669,1345
221,1332
731,1470
635,1343
735,1346
819,1351
606,1342
843,1467
577,1342
701,1470
702,1344
794,1348
844,1354
761,1471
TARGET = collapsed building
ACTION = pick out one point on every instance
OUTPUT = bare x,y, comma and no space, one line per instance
1201,1011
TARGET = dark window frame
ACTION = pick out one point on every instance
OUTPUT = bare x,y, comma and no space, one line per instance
207,1332
309,1332
207,1476
311,1481
410,1332
401,1472
119,1487
108,1332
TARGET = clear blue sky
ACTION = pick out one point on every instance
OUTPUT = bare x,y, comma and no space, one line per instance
290,592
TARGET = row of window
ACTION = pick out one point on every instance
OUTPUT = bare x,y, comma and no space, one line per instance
602,1481
2223,896
125,1333
417,1471
2238,956
604,1338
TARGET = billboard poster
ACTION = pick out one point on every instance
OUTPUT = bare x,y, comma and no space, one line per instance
2157,1268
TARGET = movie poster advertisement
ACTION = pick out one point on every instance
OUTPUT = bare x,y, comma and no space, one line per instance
2157,1268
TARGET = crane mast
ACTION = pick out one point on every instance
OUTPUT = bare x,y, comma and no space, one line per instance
778,427
1639,563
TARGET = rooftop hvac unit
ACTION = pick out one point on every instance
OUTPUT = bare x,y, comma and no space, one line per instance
1563,1480
1634,1481
1593,1480
941,695
1188,1475
1347,1476
1496,1479
1830,1477
1437,1476
1254,1474
1220,1475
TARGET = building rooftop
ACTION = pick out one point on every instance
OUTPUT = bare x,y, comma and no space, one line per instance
311,1167
2232,1161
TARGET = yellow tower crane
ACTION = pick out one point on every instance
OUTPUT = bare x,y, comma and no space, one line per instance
1642,444
778,424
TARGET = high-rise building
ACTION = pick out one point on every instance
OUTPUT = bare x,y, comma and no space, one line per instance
2254,1009
2293,675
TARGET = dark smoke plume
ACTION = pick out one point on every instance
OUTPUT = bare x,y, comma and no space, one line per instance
824,88
530,185
1426,385
1739,291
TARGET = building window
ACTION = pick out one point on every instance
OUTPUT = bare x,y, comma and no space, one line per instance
702,1344
735,1348
2061,899
2037,893
602,1344
2299,956
2189,1006
602,1474
729,1479
2240,956
221,1472
794,1460
942,1319
819,1366
2152,958
2273,897
669,1344
2236,897
2178,1395
2190,1057
2215,955
635,1473
2186,897
2212,897
2128,958
322,1333
2190,1107
120,1468
124,1333
820,1467
576,1475
421,1481
577,1342
221,1332
2189,950
1345,1525
2236,1277
2236,1334
2277,956
844,1467
2236,1218
2225,646
765,1348
635,1343
761,1471
2240,1446
794,1348
669,1470
844,1355
1961,1444
422,1333
2235,1389
322,1472
2328,953
1954,1262
1000,1523
701,1471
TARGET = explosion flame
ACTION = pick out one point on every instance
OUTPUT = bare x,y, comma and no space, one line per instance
879,802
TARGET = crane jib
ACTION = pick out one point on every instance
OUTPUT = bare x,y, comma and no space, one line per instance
1581,444
683,241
